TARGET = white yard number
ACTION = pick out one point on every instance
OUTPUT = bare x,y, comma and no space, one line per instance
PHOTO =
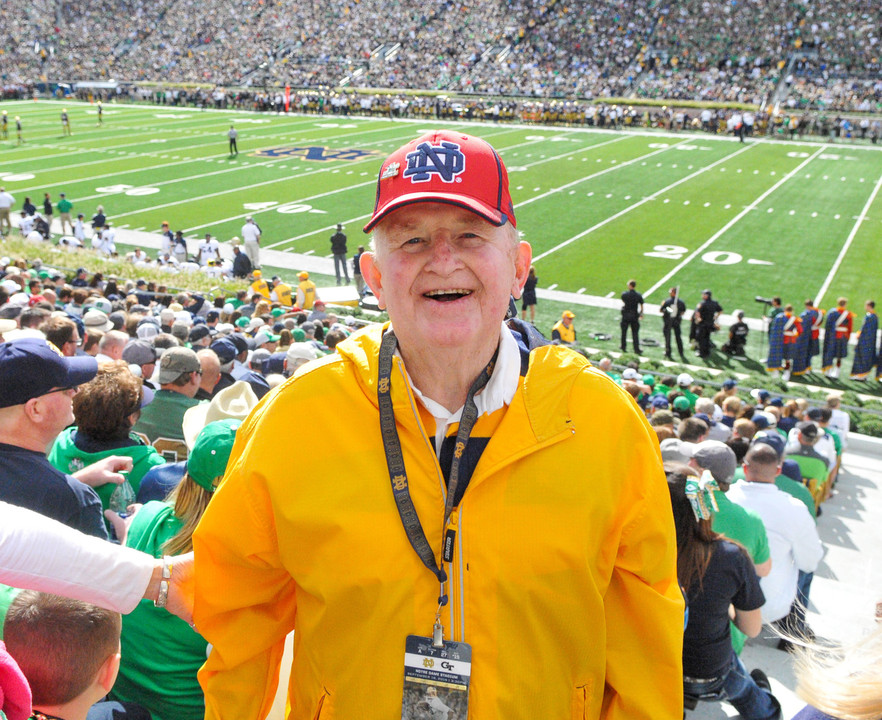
668,252
675,252
721,257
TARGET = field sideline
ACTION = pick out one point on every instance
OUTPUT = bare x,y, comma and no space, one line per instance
797,219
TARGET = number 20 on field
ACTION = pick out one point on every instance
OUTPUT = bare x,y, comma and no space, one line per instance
675,252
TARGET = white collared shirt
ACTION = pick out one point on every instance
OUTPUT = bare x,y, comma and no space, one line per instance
498,392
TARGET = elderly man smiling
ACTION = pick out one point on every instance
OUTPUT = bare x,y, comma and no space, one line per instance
478,529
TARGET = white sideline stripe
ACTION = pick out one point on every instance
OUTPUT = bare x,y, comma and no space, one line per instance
732,222
360,218
847,245
638,203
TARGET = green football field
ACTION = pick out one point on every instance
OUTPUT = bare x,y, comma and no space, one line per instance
764,218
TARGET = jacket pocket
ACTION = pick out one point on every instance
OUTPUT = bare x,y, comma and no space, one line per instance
581,701
323,708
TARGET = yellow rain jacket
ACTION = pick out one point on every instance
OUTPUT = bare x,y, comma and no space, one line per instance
563,579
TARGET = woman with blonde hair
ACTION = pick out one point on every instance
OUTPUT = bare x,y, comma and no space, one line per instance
162,653
841,682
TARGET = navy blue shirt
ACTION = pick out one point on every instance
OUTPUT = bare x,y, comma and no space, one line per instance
28,480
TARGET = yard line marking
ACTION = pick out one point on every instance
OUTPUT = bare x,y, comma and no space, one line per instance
638,204
854,230
730,224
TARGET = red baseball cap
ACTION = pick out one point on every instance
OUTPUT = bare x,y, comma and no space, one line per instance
448,167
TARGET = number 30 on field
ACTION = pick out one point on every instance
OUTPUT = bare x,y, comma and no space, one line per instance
675,252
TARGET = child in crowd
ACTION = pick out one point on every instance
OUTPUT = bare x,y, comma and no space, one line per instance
69,652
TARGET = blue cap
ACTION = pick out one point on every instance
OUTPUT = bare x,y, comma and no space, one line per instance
760,420
772,438
31,367
275,364
729,384
225,349
660,402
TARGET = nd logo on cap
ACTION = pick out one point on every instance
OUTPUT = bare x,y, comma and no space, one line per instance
445,160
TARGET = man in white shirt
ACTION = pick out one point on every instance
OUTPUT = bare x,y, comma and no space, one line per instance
840,422
794,544
251,236
6,203
106,242
209,249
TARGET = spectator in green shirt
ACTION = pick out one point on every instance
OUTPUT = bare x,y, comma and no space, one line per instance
64,208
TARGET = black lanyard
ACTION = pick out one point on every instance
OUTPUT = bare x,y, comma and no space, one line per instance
395,457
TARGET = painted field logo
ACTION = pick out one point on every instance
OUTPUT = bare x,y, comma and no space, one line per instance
317,153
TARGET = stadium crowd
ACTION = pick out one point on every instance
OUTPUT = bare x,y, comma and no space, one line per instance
828,53
136,395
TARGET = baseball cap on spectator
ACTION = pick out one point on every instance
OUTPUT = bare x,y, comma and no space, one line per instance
20,298
139,352
181,331
760,394
760,419
242,322
182,316
301,351
684,380
210,452
776,402
660,402
275,364
225,349
175,362
259,358
814,414
199,332
240,342
232,403
717,457
771,438
257,274
630,374
228,308
265,336
255,323
681,403
298,335
97,320
705,418
10,286
481,183
770,419
212,315
808,429
140,282
118,319
303,275
647,379
225,327
147,329
730,384
675,450
31,367
176,307
277,312
103,304
318,302
308,327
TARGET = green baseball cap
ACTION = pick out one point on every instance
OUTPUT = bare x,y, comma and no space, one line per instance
211,452
276,312
681,403
243,322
